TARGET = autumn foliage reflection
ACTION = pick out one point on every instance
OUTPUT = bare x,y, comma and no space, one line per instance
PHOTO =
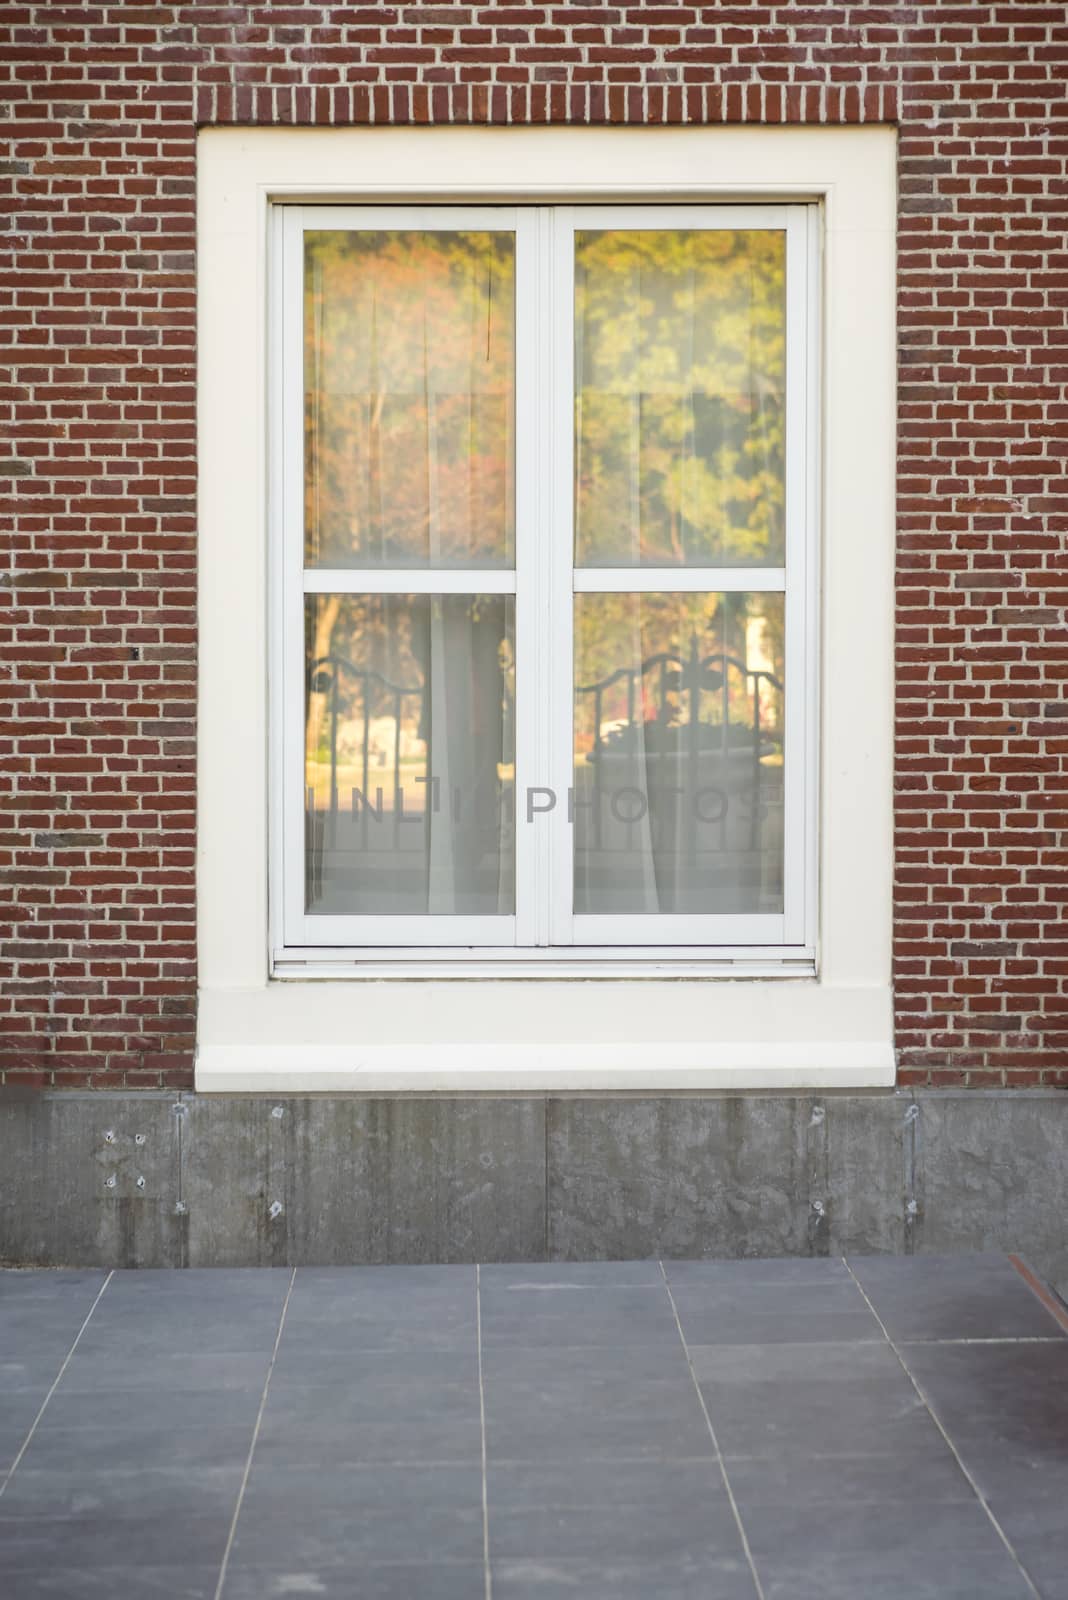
410,416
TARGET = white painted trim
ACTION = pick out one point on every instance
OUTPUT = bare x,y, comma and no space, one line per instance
545,580
408,580
574,1066
356,963
649,1035
851,173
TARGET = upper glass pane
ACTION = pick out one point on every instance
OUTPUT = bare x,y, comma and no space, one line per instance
680,357
409,399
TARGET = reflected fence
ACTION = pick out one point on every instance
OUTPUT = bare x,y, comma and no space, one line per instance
660,763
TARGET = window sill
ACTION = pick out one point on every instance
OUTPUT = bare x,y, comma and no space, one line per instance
505,964
563,1036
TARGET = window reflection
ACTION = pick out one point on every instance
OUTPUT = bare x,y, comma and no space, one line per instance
679,748
680,350
409,399
410,754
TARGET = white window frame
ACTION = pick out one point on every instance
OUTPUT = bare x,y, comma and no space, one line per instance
652,1020
544,581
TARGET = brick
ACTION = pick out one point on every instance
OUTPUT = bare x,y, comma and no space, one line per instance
98,464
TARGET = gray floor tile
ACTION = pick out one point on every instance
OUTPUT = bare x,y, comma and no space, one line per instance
546,1576
895,1575
32,1371
178,1582
426,1580
505,1365
359,1489
375,1316
366,1481
793,1533
516,1316
85,1539
966,1381
367,1398
816,1399
1039,1535
657,1528
50,1286
218,1408
289,1437
822,1483
188,1330
574,1482
788,1273
138,1443
796,1364
953,1297
397,1371
121,1372
606,1393
205,1285
150,1492
344,1518
18,1408
1047,1569
41,1314
1006,1409
1012,1472
605,1417
38,1340
829,1312
400,1281
574,1275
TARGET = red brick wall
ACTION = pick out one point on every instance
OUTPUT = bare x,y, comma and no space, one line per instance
97,629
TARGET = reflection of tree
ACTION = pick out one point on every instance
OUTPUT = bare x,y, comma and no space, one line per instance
409,423
320,645
409,381
680,365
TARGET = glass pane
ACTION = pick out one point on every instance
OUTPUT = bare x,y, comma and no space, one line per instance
679,742
409,754
409,399
680,353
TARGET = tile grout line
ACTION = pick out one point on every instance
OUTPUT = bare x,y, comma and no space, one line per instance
255,1437
487,1573
1026,1338
715,1442
995,1524
55,1385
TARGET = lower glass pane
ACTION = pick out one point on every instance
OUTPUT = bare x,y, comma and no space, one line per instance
409,755
679,750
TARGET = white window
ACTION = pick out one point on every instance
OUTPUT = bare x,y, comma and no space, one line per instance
637,388
545,572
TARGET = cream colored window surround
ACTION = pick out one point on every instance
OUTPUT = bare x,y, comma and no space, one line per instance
648,1025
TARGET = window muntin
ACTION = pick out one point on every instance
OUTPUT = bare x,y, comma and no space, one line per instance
672,459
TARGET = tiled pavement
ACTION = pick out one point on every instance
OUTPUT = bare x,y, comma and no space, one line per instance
877,1429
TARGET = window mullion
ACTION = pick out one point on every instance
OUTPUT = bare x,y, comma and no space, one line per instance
530,601
561,547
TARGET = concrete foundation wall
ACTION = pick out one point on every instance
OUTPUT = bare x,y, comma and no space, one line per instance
152,1179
